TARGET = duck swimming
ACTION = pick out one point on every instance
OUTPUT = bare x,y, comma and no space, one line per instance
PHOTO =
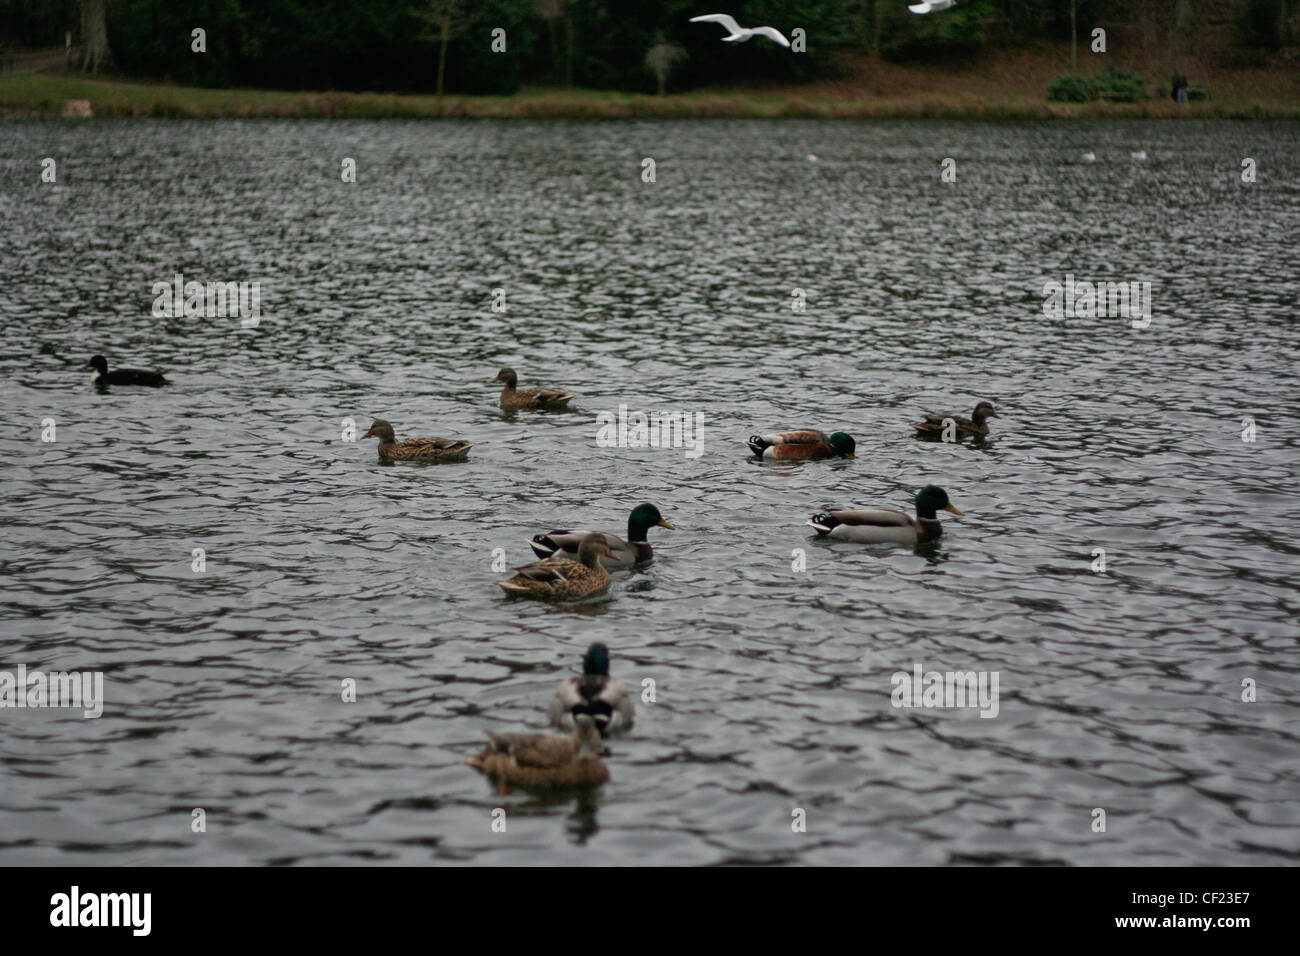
537,398
416,449
805,443
623,554
541,761
557,578
122,376
974,427
597,695
886,525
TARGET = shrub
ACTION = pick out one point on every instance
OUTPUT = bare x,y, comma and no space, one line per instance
1071,88
1117,83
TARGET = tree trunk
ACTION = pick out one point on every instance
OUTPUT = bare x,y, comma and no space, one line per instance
94,33
1074,37
443,39
568,49
555,51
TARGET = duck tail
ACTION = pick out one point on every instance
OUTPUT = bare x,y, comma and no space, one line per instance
758,444
824,523
543,546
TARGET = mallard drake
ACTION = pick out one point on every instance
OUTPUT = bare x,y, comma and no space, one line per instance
602,698
975,426
121,376
623,554
556,578
542,761
541,398
806,443
416,449
886,525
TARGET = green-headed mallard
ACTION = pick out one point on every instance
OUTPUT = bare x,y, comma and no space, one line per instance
121,376
539,398
416,449
541,761
885,525
624,554
595,694
807,443
556,578
975,426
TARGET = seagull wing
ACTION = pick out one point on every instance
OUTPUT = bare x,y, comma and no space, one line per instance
725,19
920,8
771,33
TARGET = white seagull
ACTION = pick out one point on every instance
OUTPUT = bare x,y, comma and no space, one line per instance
931,5
739,34
1140,155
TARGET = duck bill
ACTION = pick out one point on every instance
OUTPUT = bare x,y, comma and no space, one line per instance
851,455
369,434
661,523
954,509
491,380
612,556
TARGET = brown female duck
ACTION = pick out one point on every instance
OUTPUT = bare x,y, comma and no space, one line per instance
416,449
973,427
536,398
557,578
542,761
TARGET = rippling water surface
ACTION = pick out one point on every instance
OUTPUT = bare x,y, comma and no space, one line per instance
1119,690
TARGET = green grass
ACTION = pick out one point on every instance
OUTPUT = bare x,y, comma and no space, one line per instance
42,95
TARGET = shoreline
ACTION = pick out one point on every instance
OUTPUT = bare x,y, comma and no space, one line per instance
44,96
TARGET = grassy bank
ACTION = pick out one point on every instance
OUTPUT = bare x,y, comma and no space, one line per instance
1014,87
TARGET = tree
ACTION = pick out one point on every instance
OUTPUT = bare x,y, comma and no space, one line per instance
553,12
448,20
1074,36
94,32
660,59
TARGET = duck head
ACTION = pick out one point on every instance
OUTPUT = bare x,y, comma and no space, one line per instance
930,499
596,661
98,364
593,548
381,430
506,376
843,444
643,518
586,736
982,411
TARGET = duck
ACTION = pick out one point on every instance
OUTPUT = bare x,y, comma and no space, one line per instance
973,427
537,398
603,698
557,578
542,761
122,376
623,554
807,443
416,449
883,525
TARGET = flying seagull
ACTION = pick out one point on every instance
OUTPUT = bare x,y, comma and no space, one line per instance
931,5
737,33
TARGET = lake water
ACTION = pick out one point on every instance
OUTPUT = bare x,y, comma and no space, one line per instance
1119,690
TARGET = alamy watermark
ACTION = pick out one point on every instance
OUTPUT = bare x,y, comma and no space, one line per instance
83,690
1083,299
951,689
212,300
657,429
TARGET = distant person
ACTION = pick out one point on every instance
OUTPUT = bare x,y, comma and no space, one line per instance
1180,88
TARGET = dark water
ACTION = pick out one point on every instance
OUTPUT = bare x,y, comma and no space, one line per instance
1119,690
